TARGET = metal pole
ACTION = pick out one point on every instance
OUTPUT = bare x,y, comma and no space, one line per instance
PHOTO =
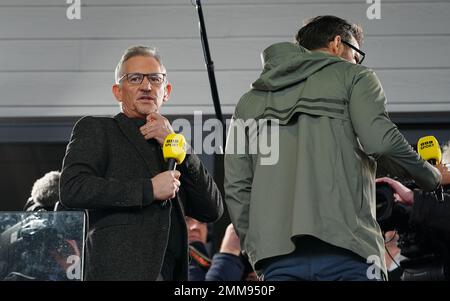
210,69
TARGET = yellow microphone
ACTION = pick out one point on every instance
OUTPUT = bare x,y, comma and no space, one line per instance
174,150
429,149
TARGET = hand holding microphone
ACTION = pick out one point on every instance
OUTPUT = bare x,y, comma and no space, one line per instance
429,150
174,150
167,184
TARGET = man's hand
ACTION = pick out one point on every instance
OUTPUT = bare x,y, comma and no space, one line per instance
230,242
166,185
401,193
157,127
445,172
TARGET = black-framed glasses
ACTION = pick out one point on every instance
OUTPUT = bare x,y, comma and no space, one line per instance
155,79
361,55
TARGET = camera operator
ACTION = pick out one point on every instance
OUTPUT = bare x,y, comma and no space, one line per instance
422,220
428,210
45,193
393,255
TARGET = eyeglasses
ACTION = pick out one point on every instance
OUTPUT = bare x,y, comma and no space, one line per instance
360,57
155,79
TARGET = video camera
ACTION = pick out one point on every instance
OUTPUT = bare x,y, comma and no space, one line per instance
426,250
41,245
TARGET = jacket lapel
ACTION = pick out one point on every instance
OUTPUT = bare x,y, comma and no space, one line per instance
149,151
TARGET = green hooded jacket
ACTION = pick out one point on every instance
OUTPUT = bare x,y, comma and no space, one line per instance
333,130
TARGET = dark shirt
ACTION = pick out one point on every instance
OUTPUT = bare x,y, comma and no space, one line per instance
430,213
224,267
173,254
200,261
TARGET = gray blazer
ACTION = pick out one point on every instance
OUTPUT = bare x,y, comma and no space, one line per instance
107,170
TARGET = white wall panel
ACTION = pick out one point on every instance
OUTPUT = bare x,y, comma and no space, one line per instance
247,20
33,95
227,54
50,66
186,2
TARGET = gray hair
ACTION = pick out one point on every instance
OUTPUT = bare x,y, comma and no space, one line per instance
45,190
138,51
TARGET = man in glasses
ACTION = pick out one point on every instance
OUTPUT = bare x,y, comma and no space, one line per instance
114,168
311,215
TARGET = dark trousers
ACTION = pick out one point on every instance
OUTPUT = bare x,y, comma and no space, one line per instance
315,260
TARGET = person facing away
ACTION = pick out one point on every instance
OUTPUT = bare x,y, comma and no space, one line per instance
51,258
311,214
114,168
200,259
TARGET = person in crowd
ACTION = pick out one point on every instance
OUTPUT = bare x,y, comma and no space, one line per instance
226,265
45,193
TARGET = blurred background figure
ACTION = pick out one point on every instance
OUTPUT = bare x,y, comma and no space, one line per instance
200,260
43,246
227,265
393,256
230,264
45,193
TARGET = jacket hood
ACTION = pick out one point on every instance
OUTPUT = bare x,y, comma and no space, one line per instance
287,63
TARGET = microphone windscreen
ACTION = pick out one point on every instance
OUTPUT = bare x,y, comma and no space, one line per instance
174,147
429,149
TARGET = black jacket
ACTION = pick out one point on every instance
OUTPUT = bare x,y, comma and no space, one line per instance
430,213
107,170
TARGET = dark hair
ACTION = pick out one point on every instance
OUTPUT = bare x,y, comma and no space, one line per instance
319,31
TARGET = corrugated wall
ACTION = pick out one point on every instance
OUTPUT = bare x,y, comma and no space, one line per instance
52,66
